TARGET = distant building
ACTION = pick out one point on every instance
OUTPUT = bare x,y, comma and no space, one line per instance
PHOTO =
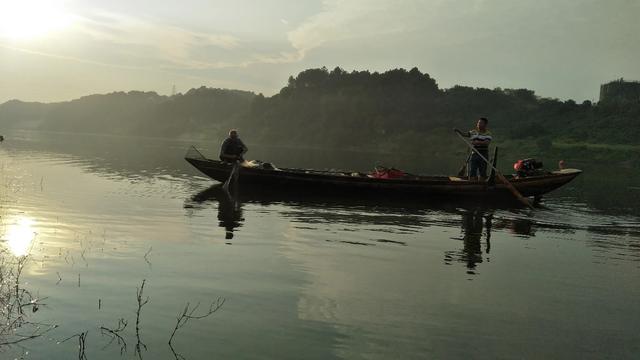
620,91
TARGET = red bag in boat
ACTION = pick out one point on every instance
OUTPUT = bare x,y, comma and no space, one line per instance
384,173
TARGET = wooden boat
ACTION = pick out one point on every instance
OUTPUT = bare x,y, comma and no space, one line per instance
314,181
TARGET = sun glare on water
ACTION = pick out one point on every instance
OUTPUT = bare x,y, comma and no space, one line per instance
19,236
30,19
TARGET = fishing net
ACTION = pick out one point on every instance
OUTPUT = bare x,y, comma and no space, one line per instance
193,153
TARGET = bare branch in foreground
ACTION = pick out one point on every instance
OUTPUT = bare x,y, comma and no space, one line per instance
139,344
82,337
115,335
188,313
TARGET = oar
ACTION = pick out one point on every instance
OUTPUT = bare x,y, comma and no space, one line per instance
499,175
234,171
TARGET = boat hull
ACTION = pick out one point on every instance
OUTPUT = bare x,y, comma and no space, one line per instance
424,186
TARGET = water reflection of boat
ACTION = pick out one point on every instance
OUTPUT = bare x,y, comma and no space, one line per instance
318,200
384,212
306,180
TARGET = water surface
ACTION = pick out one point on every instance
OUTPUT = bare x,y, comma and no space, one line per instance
308,277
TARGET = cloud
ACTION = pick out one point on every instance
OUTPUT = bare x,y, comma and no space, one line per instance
167,43
69,58
339,20
332,24
174,47
352,20
555,47
119,40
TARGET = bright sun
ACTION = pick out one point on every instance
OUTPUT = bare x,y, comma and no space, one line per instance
20,235
29,19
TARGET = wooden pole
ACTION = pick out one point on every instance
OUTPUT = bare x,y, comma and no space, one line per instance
234,174
499,175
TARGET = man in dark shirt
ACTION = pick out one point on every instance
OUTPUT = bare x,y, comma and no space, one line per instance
232,148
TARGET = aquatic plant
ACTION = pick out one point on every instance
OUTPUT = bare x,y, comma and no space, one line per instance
18,304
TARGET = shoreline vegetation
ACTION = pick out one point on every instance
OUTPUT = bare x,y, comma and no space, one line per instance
395,112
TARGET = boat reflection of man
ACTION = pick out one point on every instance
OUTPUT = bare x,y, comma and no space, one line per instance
473,223
229,216
233,148
229,207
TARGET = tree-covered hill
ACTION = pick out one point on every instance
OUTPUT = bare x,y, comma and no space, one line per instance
133,113
360,108
397,110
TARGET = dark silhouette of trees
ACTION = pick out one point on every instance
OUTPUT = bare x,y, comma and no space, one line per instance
399,109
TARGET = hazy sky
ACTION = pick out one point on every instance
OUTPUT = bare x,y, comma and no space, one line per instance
58,50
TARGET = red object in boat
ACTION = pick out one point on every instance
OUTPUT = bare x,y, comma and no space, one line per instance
385,173
518,165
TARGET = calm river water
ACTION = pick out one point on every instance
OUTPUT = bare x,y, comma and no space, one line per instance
317,277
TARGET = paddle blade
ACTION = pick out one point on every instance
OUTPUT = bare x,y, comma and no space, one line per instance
233,173
513,190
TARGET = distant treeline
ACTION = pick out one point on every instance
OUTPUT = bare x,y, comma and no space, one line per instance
198,111
397,110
